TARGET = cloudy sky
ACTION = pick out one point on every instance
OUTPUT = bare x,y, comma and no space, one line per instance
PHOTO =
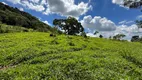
109,17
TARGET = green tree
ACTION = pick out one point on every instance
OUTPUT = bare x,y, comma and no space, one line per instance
71,26
135,38
96,32
119,36
101,36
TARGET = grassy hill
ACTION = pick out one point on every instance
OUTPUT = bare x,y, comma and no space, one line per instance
12,29
15,17
37,56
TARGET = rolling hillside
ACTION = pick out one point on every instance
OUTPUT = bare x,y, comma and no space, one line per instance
12,29
32,50
13,16
37,56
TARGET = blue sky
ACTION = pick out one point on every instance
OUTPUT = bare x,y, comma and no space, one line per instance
107,16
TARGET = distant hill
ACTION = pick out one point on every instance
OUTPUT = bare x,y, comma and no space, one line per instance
13,16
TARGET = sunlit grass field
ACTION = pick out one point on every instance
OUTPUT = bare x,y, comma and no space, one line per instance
38,56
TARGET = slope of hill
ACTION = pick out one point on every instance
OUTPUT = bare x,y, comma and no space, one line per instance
11,29
13,16
35,55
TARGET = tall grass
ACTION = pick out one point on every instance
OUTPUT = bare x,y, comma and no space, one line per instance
10,29
38,56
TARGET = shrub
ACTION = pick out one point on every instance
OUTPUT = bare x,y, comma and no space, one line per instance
52,35
84,34
71,44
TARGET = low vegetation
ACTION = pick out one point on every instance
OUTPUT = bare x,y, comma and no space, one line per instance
36,55
63,56
10,29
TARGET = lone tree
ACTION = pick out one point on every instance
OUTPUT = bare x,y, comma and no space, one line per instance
135,38
96,32
101,36
71,26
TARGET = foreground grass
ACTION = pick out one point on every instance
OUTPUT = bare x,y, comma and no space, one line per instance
37,56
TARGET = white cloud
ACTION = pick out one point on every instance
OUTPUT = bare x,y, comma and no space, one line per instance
67,7
124,29
129,22
122,22
21,9
98,24
46,22
139,17
119,2
35,1
32,6
15,1
62,7
126,22
4,3
92,35
129,31
108,28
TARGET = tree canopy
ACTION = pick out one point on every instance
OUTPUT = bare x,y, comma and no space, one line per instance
71,26
135,38
101,36
96,32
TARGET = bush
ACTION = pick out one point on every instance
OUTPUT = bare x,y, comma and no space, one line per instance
71,44
52,35
84,34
